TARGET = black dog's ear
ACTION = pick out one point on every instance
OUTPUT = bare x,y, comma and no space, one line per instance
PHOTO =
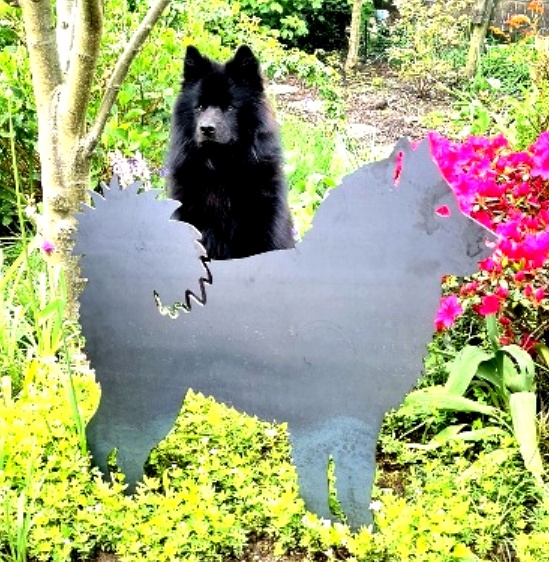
244,66
195,66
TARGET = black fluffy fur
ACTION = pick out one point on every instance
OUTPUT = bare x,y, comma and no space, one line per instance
225,161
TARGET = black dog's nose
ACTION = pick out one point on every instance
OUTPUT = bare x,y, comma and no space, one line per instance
207,130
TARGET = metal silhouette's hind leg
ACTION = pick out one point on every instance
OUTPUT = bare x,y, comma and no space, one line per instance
352,444
355,466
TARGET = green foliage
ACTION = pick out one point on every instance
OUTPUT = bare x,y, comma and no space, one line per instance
531,543
316,160
509,94
327,25
10,28
530,116
506,373
451,508
242,465
285,16
42,406
44,478
423,35
509,65
497,93
16,106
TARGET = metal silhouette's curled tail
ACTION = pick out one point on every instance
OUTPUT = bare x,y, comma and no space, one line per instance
173,310
156,245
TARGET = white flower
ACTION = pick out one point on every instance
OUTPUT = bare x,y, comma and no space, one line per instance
376,505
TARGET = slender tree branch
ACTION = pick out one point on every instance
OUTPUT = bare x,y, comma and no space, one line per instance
119,72
42,47
83,59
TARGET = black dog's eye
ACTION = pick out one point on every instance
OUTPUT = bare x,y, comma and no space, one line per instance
230,107
199,108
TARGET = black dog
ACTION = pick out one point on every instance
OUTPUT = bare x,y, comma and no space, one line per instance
225,162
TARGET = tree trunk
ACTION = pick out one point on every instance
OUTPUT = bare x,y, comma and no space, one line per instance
354,35
481,20
63,63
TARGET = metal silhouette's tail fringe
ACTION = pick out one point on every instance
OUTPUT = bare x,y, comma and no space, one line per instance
186,306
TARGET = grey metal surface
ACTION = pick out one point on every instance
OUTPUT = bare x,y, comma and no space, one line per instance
327,336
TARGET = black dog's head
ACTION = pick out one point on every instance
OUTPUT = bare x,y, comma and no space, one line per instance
218,100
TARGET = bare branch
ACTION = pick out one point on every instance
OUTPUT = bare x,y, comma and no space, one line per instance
120,70
42,47
82,64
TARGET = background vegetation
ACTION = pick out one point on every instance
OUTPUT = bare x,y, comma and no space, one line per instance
452,483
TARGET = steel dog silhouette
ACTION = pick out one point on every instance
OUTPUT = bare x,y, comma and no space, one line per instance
327,336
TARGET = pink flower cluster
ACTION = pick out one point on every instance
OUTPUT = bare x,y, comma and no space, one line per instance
508,192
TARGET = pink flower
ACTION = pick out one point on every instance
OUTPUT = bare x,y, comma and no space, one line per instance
520,276
469,288
540,156
508,192
47,247
443,211
535,295
501,291
398,168
490,265
448,310
489,305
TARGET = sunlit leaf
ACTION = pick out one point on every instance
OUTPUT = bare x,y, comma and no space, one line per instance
523,414
463,369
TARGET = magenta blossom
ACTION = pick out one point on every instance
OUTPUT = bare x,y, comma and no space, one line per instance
398,168
489,305
443,211
448,310
540,156
47,247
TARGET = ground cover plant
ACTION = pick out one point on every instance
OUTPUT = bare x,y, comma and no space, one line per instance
462,483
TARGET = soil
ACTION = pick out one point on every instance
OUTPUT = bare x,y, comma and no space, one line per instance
380,109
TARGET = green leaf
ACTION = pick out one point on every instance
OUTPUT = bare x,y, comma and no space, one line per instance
511,376
454,433
463,369
436,397
493,331
134,113
54,307
447,434
488,371
482,433
543,350
523,415
521,377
